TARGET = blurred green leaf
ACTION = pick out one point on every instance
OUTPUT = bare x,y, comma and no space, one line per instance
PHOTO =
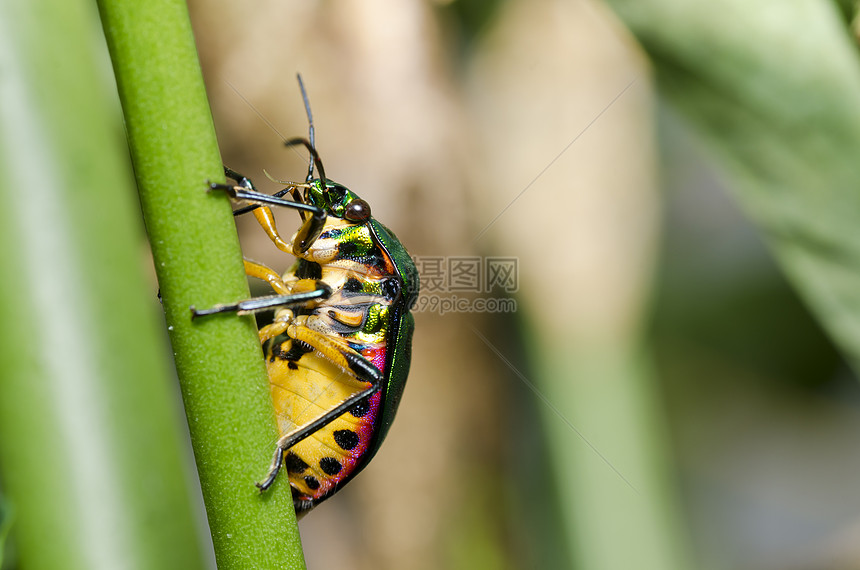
91,445
773,89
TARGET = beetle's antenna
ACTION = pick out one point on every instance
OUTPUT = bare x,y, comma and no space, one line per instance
311,137
307,109
315,161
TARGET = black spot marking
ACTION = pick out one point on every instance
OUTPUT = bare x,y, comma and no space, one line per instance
391,288
346,439
294,463
308,270
347,249
277,351
360,409
296,350
352,285
330,465
292,365
312,482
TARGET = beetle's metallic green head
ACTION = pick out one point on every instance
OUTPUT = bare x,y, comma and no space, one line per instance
337,200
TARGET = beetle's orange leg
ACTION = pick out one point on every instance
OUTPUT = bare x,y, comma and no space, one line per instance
267,221
244,190
267,274
270,331
263,213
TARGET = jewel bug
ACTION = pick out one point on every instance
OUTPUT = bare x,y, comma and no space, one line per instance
338,350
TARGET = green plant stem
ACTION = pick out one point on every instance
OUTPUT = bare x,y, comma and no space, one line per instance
92,460
198,261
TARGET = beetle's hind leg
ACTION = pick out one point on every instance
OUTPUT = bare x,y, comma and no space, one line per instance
345,358
290,439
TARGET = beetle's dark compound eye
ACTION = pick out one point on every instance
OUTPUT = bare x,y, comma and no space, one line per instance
357,211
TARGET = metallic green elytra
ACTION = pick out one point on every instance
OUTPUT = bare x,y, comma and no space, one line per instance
339,347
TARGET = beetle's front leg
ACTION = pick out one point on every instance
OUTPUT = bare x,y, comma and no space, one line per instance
244,187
